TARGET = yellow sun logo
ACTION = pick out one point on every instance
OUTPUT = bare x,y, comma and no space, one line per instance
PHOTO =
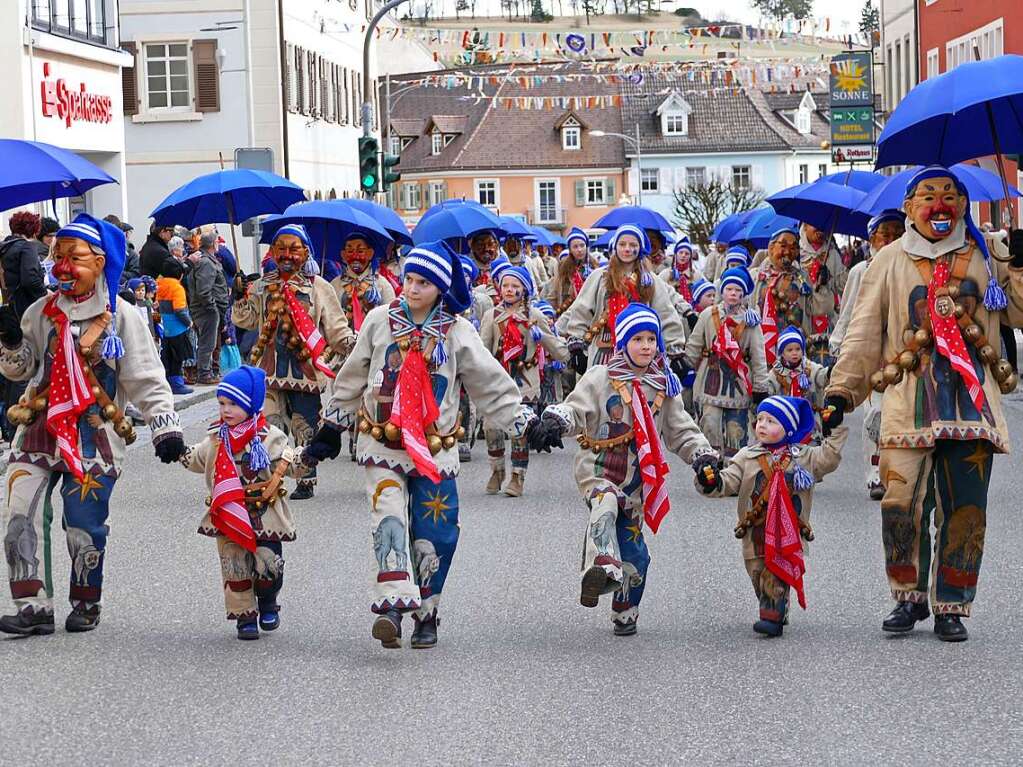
849,76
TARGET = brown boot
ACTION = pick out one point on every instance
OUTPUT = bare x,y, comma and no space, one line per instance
496,480
514,489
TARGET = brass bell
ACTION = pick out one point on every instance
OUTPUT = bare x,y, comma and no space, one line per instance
403,344
293,342
391,432
377,433
892,374
460,432
595,450
39,404
124,427
435,444
110,411
1009,384
449,442
908,336
15,414
282,491
364,426
973,333
588,337
595,328
1002,370
909,360
286,325
953,291
96,391
988,354
209,500
959,311
86,351
923,338
24,401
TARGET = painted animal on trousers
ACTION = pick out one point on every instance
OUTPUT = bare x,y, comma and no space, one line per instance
630,579
267,564
424,555
84,555
21,541
390,536
602,531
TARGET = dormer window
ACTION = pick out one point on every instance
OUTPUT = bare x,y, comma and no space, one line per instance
436,142
675,124
804,113
571,136
674,112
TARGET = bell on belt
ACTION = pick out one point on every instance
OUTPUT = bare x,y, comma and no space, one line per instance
923,338
364,425
892,374
972,333
391,432
435,443
377,433
588,337
96,391
877,382
39,404
1002,370
944,306
1008,386
449,442
110,411
909,360
988,354
460,432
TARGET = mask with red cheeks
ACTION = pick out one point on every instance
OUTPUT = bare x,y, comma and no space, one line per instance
935,207
357,254
76,268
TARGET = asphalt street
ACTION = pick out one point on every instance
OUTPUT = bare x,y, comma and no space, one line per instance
523,674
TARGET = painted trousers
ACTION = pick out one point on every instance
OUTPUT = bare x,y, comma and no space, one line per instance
727,429
871,431
415,528
772,593
945,486
296,414
27,520
614,540
519,449
252,581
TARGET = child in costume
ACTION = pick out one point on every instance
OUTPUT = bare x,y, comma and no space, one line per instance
774,482
782,291
245,460
827,273
625,415
552,380
480,304
518,335
681,275
793,375
726,348
705,294
568,278
359,286
402,381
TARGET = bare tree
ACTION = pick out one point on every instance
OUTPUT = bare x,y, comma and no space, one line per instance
699,207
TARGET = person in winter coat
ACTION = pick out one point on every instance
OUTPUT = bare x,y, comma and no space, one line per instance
154,251
207,291
23,272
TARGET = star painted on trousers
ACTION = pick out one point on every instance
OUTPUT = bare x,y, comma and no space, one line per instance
978,458
436,507
87,487
635,532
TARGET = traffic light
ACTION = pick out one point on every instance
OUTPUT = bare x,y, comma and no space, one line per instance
388,176
369,164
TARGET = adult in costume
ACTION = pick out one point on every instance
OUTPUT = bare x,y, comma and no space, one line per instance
782,291
360,287
823,265
84,361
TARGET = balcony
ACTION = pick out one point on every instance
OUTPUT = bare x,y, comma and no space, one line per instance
546,215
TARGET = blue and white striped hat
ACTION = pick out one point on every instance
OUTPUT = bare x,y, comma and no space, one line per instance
634,318
683,243
546,308
739,276
438,264
577,234
737,255
784,230
298,231
246,387
700,287
882,217
795,414
472,271
791,335
635,231
521,274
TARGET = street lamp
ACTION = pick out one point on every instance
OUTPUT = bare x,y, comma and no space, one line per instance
639,156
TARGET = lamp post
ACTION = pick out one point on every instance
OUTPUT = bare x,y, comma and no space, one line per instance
639,156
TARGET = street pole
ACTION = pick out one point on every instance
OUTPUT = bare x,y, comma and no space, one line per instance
367,98
639,169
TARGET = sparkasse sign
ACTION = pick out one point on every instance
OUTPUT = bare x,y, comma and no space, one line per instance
69,104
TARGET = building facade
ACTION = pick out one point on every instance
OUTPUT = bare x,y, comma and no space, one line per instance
62,66
899,51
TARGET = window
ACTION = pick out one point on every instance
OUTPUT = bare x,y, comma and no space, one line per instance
405,141
676,124
822,170
648,179
547,202
696,176
595,192
167,79
82,19
570,137
933,68
437,192
741,176
436,142
803,121
486,193
987,39
394,145
448,138
411,196
804,174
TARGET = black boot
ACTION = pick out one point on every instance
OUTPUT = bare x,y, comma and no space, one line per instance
594,584
387,629
768,628
303,492
82,620
904,617
950,628
27,622
626,629
425,634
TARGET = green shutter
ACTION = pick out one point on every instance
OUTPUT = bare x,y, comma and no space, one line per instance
609,191
580,193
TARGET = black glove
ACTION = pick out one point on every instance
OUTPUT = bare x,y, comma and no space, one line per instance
10,327
823,276
760,396
1016,247
692,318
833,413
708,472
679,366
169,449
578,361
326,444
544,433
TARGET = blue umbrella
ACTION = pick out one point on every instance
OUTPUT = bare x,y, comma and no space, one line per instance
982,186
974,110
646,218
827,206
864,180
32,171
227,196
328,222
516,229
455,222
761,226
384,216
603,242
728,226
448,204
545,237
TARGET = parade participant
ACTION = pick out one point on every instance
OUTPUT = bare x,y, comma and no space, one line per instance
726,349
713,264
402,381
795,375
519,253
389,268
704,295
680,276
83,357
547,259
823,265
554,383
176,321
484,247
774,481
567,279
736,255
519,337
245,460
301,325
657,255
479,304
884,228
589,325
929,307
625,415
359,286
781,292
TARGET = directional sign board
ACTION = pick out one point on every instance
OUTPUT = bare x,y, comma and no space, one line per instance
852,107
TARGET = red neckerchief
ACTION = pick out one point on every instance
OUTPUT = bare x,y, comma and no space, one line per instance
577,282
684,289
948,339
309,333
353,291
653,469
616,302
414,407
227,511
70,393
769,322
513,341
728,349
387,274
783,551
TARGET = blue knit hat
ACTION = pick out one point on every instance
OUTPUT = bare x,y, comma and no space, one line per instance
635,318
546,308
682,243
298,231
576,234
784,230
737,254
469,267
135,283
521,274
110,239
883,217
497,268
700,287
438,264
638,232
246,387
791,335
737,275
795,414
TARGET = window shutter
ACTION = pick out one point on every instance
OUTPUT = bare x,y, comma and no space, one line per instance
443,191
324,91
580,193
314,104
303,102
129,82
289,90
664,181
609,191
634,180
207,76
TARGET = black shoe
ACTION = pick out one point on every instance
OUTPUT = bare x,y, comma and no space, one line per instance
302,493
950,628
594,583
81,620
247,629
27,623
387,629
425,634
768,628
904,617
626,629
270,619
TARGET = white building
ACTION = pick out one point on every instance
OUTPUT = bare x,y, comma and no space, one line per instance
62,68
899,47
213,76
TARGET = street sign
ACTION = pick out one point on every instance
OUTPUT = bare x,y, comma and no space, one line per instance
852,107
844,154
852,126
852,81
